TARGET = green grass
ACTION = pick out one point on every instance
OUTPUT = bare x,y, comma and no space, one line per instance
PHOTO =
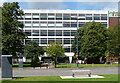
57,78
72,65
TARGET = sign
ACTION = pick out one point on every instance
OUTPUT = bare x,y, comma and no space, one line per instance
76,55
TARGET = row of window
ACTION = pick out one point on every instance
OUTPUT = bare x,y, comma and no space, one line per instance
50,32
45,41
55,25
59,16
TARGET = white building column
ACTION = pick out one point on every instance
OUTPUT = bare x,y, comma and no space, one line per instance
24,59
70,59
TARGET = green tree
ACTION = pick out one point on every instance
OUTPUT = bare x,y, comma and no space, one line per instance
92,39
114,43
55,49
33,50
12,29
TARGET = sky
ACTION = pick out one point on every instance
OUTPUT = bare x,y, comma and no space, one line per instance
112,5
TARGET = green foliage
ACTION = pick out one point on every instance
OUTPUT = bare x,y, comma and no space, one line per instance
114,43
92,39
12,29
33,50
55,49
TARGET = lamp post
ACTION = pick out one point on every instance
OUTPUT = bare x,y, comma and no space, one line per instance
77,43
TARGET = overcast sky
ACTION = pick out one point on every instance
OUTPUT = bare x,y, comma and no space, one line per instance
111,5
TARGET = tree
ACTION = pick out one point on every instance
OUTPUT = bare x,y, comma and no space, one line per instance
33,50
12,29
114,43
55,49
92,39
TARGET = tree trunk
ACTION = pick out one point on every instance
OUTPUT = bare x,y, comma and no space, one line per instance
55,59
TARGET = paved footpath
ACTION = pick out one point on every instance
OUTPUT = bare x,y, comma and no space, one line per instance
62,71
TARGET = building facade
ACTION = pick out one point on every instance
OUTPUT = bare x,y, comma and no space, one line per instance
114,18
45,26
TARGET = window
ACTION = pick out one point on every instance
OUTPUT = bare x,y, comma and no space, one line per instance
66,41
66,24
59,24
27,24
81,24
73,32
51,16
66,16
59,39
88,16
73,24
58,16
35,16
81,16
96,16
43,40
66,32
103,16
50,40
36,40
27,16
35,33
28,32
43,24
35,24
119,19
43,33
72,40
73,16
51,33
43,16
58,32
51,25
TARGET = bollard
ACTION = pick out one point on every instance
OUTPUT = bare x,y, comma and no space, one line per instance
73,75
89,74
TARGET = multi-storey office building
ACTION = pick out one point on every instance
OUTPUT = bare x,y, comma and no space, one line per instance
45,26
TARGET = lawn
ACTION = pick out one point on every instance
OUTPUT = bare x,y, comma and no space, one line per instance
57,78
71,65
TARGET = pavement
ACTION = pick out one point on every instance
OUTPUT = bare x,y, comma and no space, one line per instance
62,71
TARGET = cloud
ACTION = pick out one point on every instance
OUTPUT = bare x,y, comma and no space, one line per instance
45,5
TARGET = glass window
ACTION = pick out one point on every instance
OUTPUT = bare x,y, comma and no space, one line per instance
72,40
66,32
73,32
82,15
73,24
66,16
27,24
36,40
66,41
43,24
43,40
59,39
51,40
51,33
103,16
35,25
73,16
96,16
66,24
58,16
88,16
51,16
51,25
43,33
81,24
119,19
59,24
27,16
43,16
58,32
35,33
104,23
28,32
